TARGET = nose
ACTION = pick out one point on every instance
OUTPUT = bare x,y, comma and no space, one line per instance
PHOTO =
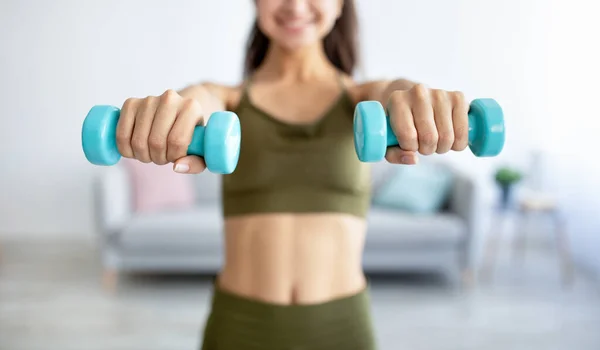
297,6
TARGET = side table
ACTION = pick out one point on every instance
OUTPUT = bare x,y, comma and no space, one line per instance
529,206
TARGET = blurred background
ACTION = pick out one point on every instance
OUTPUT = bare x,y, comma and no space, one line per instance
504,255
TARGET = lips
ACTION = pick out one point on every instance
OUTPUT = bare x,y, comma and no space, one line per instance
294,24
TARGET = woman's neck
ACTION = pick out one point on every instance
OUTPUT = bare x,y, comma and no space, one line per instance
296,66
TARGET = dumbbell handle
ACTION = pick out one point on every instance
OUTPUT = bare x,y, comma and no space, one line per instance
218,142
196,147
101,124
392,140
486,127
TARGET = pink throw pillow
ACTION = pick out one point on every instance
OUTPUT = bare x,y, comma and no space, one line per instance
158,187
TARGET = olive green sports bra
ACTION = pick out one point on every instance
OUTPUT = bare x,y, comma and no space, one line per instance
291,168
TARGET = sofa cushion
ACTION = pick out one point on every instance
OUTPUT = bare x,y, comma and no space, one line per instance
380,172
208,188
422,188
157,187
393,228
198,228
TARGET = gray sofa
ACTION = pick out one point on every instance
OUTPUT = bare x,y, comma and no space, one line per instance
190,241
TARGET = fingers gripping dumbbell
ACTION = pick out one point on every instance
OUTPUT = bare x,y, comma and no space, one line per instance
373,132
218,142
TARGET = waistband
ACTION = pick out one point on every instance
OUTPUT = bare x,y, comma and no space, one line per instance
240,323
339,308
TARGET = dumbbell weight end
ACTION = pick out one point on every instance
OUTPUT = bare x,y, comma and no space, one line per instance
486,128
218,142
98,135
373,132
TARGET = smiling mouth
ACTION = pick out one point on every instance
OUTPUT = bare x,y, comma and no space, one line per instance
295,25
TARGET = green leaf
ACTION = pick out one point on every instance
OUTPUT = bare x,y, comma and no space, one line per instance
507,176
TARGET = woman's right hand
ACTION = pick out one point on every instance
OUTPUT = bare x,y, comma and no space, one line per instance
159,129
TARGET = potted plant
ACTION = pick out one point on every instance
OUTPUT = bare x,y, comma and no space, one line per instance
506,177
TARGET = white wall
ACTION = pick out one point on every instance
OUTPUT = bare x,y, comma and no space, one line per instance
61,57
573,77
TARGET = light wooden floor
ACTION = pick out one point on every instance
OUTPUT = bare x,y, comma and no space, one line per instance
50,299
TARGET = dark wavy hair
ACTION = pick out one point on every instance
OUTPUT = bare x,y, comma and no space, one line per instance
341,44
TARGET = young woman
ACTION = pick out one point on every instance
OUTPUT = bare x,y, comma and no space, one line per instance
295,206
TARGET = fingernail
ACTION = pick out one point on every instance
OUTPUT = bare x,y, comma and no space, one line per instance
182,168
408,160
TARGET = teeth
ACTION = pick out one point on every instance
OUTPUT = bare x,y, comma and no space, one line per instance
294,24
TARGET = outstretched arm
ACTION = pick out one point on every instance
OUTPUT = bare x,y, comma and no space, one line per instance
211,98
159,129
424,120
382,89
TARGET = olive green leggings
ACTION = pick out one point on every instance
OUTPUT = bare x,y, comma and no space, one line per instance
238,323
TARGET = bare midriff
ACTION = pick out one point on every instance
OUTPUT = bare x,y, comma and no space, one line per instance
293,258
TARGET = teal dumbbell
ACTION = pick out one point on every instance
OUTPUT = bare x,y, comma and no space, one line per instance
373,132
218,142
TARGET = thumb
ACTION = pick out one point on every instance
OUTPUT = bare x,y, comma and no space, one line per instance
396,155
189,165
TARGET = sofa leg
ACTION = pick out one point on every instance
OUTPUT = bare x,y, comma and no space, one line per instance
467,278
110,279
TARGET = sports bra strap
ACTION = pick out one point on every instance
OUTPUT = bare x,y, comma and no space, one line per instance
340,78
246,86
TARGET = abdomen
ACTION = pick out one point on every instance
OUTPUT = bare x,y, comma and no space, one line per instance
293,258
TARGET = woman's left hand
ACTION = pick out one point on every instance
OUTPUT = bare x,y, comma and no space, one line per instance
426,121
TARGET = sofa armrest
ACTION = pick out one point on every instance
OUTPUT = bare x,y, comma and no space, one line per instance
463,202
112,199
